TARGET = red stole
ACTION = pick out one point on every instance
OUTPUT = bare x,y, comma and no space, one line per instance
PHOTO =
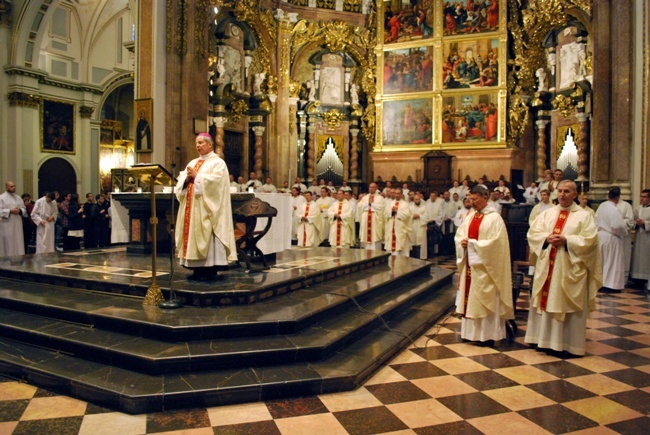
472,233
394,238
188,208
339,222
304,231
369,232
559,226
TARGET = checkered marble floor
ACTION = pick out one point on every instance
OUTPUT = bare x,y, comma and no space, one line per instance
439,385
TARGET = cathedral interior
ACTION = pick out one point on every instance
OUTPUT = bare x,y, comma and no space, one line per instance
423,92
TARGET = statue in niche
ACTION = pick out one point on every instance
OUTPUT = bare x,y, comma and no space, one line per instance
311,89
331,85
541,79
221,73
257,83
354,94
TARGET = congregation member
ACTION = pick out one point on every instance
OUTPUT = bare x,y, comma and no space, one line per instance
371,219
44,216
564,250
299,185
267,187
341,222
253,182
29,229
420,221
544,204
324,203
12,210
640,269
484,297
205,237
296,201
73,224
102,216
309,224
531,194
626,210
612,231
90,223
398,225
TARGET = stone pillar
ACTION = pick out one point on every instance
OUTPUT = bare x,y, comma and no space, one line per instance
582,144
311,151
541,148
354,154
219,122
257,166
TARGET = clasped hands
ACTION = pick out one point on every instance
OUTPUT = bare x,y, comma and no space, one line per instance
556,240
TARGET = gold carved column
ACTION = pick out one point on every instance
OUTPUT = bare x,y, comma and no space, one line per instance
583,135
257,157
541,147
354,154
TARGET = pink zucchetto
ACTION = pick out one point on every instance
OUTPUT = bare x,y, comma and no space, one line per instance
207,135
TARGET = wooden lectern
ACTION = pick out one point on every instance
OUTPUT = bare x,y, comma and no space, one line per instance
153,174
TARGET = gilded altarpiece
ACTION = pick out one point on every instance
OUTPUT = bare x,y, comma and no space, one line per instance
441,75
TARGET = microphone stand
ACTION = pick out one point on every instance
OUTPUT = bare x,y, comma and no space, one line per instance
172,303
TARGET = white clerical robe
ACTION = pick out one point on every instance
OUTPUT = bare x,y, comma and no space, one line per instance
296,202
45,231
641,257
489,302
11,225
612,231
309,231
531,194
447,212
341,224
204,228
460,215
433,209
573,285
628,216
537,210
420,220
371,219
399,227
324,203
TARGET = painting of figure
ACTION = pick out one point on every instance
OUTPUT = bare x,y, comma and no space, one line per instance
407,122
58,127
407,20
470,64
462,17
408,70
470,118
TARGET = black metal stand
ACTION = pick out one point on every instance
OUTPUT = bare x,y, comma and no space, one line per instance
172,303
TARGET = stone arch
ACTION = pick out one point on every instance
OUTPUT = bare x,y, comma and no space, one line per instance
56,173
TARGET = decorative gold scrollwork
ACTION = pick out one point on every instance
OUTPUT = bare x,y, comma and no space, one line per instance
333,118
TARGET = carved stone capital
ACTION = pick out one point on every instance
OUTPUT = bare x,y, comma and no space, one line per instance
86,112
23,99
258,130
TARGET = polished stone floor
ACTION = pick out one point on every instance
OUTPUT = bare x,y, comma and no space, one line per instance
438,385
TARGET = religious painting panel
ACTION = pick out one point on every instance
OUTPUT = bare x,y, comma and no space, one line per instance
407,122
408,70
144,126
470,118
464,17
332,80
470,63
57,127
407,20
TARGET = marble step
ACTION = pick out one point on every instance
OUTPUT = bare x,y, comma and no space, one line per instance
284,314
133,392
153,356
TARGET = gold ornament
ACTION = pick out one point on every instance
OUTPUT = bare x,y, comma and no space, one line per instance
333,118
564,105
237,110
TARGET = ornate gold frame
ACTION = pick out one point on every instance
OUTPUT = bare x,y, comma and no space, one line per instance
51,121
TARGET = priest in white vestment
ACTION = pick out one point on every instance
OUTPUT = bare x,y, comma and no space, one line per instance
12,211
371,219
460,215
484,295
543,205
205,236
324,203
612,231
309,222
44,216
564,249
628,216
341,222
531,194
420,222
399,226
296,201
640,268
354,223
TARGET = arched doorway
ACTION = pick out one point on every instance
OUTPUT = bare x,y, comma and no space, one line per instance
56,174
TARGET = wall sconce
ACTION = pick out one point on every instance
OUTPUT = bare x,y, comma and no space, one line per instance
200,125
